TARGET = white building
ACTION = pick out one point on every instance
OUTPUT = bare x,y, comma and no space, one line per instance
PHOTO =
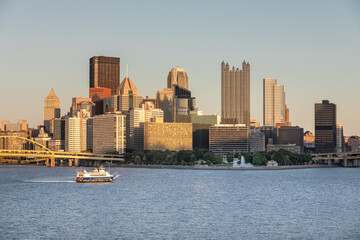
72,134
109,133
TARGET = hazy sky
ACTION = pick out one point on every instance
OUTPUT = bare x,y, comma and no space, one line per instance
311,47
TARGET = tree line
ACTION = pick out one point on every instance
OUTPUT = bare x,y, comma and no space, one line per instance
192,157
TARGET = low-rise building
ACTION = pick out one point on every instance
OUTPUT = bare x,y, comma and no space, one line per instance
272,163
288,147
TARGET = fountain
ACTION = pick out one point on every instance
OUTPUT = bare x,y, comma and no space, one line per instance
242,164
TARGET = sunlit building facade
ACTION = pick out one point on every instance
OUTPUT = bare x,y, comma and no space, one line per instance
235,94
274,103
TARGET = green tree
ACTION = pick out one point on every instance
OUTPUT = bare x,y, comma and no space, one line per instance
248,157
144,160
218,159
193,159
259,159
209,156
230,157
199,153
137,159
280,158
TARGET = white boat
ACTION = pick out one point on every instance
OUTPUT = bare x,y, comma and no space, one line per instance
97,175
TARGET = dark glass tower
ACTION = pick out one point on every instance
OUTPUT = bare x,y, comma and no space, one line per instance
325,127
105,72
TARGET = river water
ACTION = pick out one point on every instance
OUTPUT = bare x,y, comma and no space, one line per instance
45,203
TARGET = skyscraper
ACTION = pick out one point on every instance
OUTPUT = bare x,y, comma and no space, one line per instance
128,95
179,77
51,109
274,103
235,94
325,127
105,72
109,133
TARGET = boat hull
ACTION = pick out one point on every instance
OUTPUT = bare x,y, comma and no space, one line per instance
94,179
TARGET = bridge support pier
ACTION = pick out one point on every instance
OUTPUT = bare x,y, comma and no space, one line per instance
47,162
76,162
52,162
70,162
345,161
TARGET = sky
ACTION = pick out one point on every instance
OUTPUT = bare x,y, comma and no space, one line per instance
311,47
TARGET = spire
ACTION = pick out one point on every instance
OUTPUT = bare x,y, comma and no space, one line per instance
52,95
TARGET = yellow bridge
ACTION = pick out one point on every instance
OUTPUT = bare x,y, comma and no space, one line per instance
50,157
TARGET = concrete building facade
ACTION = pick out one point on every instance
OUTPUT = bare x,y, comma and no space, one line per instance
229,138
257,140
291,135
171,136
109,133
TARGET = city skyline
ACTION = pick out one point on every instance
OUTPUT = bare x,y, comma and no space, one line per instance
323,67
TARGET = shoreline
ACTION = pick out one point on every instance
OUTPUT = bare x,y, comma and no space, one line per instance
197,167
225,168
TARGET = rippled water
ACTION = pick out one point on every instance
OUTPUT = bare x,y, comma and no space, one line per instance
44,203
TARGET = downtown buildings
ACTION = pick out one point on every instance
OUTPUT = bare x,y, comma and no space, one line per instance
174,104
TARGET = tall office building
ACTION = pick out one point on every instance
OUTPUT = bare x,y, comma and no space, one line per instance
179,77
274,103
325,127
51,109
235,94
105,72
109,133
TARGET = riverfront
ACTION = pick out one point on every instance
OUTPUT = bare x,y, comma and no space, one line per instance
45,203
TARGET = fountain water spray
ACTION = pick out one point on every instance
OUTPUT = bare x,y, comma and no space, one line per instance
242,164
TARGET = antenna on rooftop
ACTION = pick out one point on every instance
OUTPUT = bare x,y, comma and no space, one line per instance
127,71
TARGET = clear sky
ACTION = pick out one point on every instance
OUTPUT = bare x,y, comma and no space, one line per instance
311,47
